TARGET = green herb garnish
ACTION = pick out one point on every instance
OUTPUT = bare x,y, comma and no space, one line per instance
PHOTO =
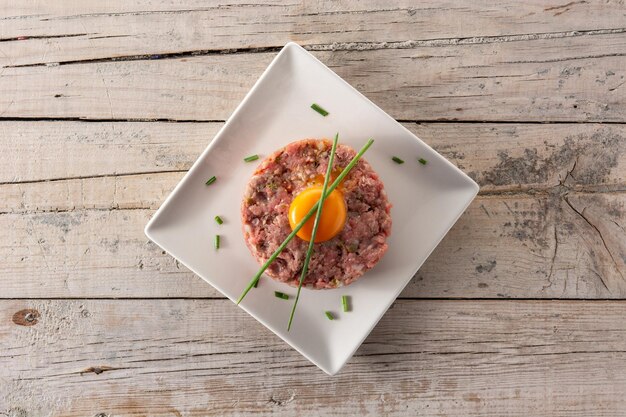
306,218
319,109
216,241
318,215
329,315
251,158
344,303
211,180
397,160
218,220
422,161
279,294
256,284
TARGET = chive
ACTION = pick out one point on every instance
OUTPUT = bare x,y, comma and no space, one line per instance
256,284
218,220
318,109
422,161
211,180
344,303
397,160
251,158
318,215
279,294
296,229
216,242
329,315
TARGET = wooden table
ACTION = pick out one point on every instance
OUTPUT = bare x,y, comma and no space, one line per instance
520,310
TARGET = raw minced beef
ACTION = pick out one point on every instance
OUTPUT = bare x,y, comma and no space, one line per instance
335,262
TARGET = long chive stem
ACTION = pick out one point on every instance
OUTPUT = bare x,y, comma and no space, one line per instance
344,303
306,218
318,215
251,158
329,315
319,109
218,220
211,180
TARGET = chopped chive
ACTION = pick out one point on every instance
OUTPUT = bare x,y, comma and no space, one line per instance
251,158
279,294
306,218
397,160
319,109
211,180
216,241
344,303
422,161
218,220
329,315
318,215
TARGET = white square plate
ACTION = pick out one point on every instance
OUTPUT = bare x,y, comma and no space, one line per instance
427,200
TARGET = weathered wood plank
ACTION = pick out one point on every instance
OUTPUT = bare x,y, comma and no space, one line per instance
41,150
206,357
565,79
560,244
500,157
140,191
44,32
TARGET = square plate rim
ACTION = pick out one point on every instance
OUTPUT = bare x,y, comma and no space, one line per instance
148,230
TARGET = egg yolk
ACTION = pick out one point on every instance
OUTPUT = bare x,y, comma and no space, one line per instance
332,219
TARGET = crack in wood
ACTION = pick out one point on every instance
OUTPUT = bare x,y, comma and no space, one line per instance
25,38
154,56
564,6
152,12
442,120
351,46
99,369
582,215
574,58
470,40
129,174
617,86
117,120
556,247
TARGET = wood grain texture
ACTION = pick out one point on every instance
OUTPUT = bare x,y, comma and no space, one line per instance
577,79
550,222
48,32
81,234
499,156
557,245
198,358
39,151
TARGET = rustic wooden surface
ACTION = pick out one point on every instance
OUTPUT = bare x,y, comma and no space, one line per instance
519,311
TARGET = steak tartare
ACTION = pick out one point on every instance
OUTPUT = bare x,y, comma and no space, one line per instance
342,259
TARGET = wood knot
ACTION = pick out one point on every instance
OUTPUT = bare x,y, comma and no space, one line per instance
282,399
26,317
15,412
